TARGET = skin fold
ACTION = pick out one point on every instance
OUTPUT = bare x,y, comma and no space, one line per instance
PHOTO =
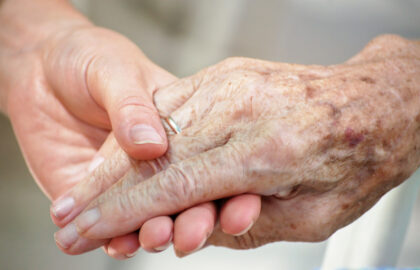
319,144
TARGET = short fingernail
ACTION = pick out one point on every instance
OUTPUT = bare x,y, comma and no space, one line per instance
67,236
165,246
144,134
87,219
62,207
97,160
199,246
244,231
130,255
114,254
183,254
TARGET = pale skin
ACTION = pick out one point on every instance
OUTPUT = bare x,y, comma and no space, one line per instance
314,147
29,62
65,84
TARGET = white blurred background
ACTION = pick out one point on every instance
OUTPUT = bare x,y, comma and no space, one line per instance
185,36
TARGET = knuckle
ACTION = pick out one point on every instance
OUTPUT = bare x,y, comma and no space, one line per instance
319,235
230,63
234,61
127,206
249,240
108,173
178,184
137,101
390,38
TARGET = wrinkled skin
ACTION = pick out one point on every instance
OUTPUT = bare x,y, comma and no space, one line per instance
320,144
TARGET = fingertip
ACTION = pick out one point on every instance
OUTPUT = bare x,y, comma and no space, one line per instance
141,135
193,227
156,234
239,213
123,247
74,245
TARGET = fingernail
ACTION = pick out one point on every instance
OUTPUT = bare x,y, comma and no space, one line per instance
62,207
87,219
199,246
244,231
97,160
165,246
181,254
130,255
114,254
67,236
143,134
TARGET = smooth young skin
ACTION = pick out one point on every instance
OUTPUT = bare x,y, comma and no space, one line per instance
320,144
65,83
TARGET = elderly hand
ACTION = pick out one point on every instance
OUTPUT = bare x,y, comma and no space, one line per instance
65,84
320,144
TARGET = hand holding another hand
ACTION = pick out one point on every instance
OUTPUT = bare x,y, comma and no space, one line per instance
320,144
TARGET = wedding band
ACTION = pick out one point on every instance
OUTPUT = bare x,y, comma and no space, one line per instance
172,124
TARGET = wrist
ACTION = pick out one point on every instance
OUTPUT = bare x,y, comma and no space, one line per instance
26,23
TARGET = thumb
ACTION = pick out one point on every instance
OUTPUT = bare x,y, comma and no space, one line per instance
125,89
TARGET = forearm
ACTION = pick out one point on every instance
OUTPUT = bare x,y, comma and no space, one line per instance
25,24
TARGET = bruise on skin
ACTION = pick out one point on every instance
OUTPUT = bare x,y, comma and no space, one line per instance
293,226
352,137
367,80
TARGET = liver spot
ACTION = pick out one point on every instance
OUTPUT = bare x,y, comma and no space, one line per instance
310,91
367,80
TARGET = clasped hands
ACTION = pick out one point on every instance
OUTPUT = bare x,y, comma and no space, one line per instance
268,152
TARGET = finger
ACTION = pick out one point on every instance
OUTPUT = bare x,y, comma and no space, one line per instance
70,204
123,247
170,97
156,234
193,227
124,84
239,213
214,174
109,175
107,149
93,188
65,208
69,241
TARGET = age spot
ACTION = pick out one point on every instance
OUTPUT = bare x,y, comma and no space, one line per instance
367,80
308,77
352,137
310,92
345,206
